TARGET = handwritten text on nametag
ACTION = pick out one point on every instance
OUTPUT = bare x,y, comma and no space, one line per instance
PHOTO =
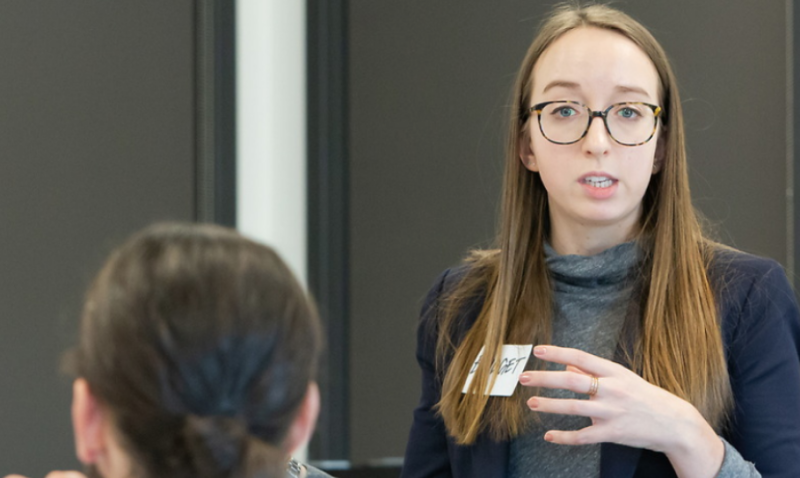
512,364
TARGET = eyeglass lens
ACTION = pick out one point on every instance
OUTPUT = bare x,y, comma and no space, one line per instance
627,123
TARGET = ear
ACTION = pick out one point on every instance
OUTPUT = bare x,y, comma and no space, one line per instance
526,151
661,154
88,421
303,425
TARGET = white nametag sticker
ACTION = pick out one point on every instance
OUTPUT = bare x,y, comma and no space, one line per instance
512,364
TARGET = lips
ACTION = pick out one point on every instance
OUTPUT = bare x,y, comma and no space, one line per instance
598,180
599,185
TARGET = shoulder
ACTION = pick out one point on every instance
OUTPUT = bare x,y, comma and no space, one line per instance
754,297
447,281
462,287
733,263
452,305
736,276
476,268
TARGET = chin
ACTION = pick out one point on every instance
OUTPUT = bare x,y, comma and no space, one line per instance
607,220
609,216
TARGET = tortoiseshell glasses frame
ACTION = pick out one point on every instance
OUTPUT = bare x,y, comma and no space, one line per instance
626,108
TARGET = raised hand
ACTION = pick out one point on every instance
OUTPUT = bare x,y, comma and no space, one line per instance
624,409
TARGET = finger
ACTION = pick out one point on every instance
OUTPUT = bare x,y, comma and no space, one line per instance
572,368
588,363
562,406
575,382
65,474
584,436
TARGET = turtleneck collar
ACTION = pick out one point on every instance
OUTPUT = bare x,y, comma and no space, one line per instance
612,266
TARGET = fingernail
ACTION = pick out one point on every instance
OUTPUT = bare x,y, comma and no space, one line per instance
548,437
533,403
524,379
539,351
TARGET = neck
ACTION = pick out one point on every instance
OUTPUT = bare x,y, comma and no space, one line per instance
588,240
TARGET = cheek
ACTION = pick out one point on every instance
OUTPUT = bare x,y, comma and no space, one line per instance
550,154
556,164
556,173
640,167
538,142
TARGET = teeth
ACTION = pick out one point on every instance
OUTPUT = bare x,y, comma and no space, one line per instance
598,181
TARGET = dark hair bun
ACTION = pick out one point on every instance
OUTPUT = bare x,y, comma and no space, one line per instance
215,443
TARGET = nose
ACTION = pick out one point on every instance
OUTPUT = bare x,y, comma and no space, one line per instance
597,140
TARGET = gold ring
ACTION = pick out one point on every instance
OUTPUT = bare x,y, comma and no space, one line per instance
593,386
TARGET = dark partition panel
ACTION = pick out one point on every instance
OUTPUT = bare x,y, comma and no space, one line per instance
101,110
427,88
328,231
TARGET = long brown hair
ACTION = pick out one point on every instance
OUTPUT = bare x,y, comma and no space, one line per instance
678,345
201,345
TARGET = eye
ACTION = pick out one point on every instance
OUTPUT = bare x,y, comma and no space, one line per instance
628,112
565,111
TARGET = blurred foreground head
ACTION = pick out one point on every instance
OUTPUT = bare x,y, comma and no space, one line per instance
197,357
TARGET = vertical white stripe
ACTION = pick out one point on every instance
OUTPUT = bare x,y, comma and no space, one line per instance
271,126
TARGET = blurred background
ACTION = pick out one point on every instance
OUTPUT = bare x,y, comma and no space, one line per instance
363,138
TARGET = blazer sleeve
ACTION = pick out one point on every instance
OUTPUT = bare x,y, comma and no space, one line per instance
427,450
763,349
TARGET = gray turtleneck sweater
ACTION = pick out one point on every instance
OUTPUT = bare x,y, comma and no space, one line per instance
591,299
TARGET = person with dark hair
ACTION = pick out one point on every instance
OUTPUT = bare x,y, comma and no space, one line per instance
657,352
197,357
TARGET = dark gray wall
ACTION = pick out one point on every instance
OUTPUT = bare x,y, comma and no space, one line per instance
428,87
97,121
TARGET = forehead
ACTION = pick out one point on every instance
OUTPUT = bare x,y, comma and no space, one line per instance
598,62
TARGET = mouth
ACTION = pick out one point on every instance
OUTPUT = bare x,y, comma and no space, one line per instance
598,181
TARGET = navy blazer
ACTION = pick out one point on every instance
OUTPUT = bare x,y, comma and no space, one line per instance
761,333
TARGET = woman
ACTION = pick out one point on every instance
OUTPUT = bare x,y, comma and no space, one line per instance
667,354
197,357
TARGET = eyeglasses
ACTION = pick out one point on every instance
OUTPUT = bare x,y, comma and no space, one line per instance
567,122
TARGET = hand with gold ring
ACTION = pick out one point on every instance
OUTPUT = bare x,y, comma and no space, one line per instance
624,409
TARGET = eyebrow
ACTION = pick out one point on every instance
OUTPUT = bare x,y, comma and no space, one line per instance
574,86
631,89
561,84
